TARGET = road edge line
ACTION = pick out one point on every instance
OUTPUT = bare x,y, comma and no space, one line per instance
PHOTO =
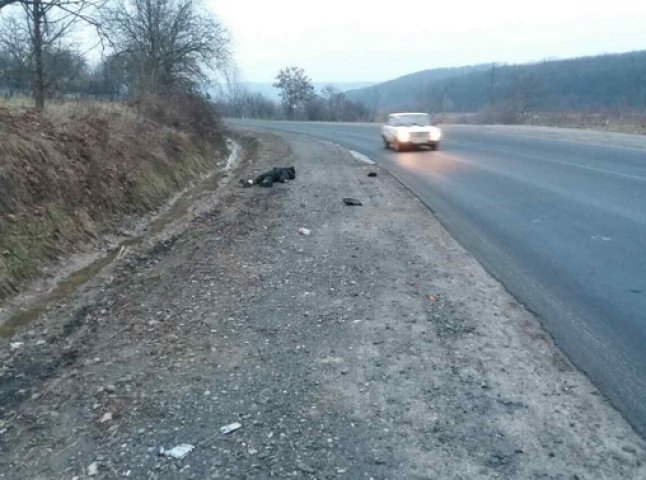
361,157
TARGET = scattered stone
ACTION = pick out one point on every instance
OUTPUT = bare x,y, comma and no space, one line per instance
304,467
179,452
232,427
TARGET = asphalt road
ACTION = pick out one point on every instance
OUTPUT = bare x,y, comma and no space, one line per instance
559,216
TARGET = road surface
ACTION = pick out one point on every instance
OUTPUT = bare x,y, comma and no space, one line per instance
559,216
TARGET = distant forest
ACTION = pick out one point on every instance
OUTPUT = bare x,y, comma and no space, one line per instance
588,84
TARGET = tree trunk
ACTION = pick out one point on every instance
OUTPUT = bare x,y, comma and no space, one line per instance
39,81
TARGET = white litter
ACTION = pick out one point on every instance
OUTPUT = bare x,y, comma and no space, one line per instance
304,231
16,345
93,469
232,427
180,451
106,417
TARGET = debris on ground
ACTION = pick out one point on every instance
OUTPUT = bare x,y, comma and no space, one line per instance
267,179
304,231
16,345
372,174
93,469
106,417
232,427
352,202
180,451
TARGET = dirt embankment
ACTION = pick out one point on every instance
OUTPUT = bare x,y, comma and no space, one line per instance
73,174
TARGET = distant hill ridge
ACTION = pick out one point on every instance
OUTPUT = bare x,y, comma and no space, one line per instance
611,81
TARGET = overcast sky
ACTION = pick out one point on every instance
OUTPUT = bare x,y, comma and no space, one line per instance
375,40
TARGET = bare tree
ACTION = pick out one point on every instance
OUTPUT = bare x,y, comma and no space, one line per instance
48,22
108,79
295,88
235,92
334,101
37,37
517,98
166,43
258,106
15,56
526,91
374,103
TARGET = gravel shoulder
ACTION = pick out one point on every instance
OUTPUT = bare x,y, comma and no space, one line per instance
375,347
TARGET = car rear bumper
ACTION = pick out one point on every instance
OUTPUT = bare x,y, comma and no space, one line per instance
418,144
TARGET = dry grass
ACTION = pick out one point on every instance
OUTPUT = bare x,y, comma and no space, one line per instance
72,173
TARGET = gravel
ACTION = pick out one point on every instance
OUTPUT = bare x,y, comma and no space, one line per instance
374,347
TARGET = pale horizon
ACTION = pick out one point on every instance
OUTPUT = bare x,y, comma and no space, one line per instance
339,41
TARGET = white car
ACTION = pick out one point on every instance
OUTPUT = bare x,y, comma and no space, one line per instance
410,130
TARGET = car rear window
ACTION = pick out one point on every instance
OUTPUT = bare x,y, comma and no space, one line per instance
421,120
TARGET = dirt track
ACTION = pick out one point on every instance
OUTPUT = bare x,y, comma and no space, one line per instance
375,347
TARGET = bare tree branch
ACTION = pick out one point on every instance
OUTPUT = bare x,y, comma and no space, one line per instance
166,42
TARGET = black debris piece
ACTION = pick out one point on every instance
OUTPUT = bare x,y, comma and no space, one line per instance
267,179
372,174
352,202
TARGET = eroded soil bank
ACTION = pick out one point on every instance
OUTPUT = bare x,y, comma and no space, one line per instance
374,347
77,173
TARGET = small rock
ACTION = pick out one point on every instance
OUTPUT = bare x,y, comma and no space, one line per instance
16,345
303,467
